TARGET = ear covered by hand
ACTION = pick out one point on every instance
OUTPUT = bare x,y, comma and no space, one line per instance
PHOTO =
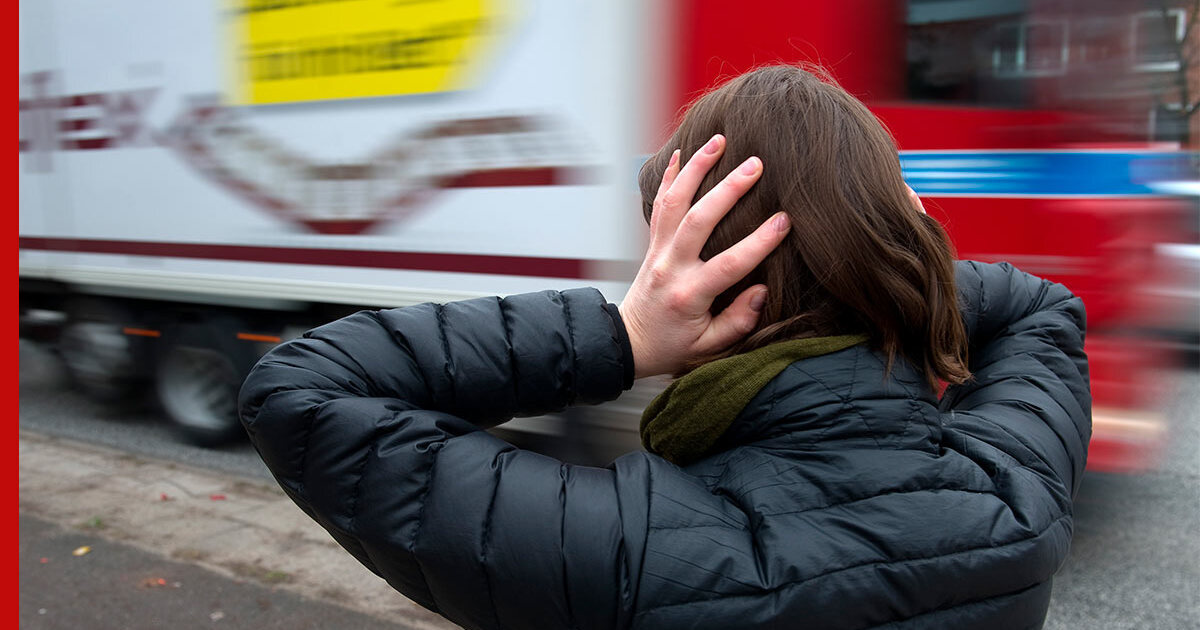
666,310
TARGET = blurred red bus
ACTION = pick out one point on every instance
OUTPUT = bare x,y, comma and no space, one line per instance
1038,132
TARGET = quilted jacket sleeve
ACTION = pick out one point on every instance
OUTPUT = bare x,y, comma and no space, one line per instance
1029,403
372,425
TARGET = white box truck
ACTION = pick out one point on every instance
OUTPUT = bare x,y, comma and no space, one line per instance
201,179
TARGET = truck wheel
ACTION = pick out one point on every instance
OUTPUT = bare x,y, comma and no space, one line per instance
101,360
199,374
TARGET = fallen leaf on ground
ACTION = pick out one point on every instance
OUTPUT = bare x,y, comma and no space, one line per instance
80,551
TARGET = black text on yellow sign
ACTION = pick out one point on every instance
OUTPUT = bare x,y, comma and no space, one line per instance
306,50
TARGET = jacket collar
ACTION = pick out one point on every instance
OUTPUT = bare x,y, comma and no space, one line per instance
684,422
844,400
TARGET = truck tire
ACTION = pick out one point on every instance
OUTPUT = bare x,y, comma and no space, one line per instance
200,370
103,362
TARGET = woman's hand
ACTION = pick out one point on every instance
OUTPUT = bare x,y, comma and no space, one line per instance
666,310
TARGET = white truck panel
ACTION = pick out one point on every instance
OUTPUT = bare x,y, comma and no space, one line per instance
153,64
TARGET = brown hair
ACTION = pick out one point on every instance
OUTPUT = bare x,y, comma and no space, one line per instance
860,258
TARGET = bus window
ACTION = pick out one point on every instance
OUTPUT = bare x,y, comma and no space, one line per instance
975,52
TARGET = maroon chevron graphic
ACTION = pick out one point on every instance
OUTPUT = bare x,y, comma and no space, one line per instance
354,197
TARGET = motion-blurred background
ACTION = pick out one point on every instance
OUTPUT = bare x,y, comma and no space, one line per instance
202,179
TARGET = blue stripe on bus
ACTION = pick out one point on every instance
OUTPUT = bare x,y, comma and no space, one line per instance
1038,173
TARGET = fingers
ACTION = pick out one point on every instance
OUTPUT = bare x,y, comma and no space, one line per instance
674,288
669,175
916,200
672,202
671,172
737,319
728,267
697,225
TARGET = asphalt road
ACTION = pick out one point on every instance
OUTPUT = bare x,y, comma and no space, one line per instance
50,406
1133,561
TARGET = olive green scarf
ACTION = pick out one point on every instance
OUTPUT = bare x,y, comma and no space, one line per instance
685,421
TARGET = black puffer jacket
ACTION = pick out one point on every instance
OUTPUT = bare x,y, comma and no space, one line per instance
844,500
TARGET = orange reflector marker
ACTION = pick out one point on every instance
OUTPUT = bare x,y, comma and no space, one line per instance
253,337
141,332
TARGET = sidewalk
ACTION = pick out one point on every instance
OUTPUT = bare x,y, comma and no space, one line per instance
244,530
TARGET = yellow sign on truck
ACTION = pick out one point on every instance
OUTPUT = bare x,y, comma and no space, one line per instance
287,51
